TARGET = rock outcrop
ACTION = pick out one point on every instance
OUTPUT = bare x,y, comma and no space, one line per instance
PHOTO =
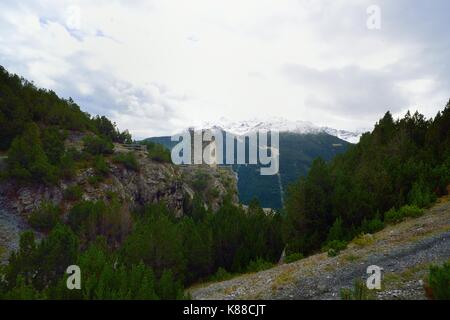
154,182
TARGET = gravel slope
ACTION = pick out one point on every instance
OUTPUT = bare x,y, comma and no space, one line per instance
404,251
10,228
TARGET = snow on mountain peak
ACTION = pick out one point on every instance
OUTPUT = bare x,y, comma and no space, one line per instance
278,124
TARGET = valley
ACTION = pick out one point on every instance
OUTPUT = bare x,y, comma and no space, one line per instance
298,149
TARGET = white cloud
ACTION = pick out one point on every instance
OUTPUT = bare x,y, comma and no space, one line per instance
156,66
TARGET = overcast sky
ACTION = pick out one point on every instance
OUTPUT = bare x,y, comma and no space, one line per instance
157,66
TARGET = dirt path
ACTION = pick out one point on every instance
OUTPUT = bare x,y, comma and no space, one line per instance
404,251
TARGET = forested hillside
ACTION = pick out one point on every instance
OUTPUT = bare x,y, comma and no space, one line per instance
108,210
402,162
21,102
130,244
35,123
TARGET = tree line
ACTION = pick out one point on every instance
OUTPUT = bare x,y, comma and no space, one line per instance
400,167
150,254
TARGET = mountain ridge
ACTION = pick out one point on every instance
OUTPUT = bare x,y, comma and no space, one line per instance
279,124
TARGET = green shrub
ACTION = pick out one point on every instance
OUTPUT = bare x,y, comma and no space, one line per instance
53,144
439,282
334,247
336,231
408,211
293,257
92,219
214,193
158,152
200,181
421,197
358,292
221,275
67,166
94,180
45,217
27,160
73,193
101,167
96,145
259,265
128,160
363,240
372,226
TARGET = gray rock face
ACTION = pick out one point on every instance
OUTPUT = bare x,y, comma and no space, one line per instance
10,227
154,182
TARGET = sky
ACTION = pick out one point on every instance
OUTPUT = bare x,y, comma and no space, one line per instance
158,66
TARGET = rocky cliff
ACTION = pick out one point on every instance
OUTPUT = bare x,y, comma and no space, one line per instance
152,182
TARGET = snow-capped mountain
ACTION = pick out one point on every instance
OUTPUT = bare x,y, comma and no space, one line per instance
278,124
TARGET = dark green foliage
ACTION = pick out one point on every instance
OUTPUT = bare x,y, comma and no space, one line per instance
160,255
157,242
158,152
102,277
21,103
259,265
192,248
309,210
67,165
73,193
54,254
372,225
128,160
95,180
197,240
91,219
334,247
293,257
97,145
27,159
240,237
200,182
53,144
109,130
40,266
22,291
101,167
402,162
420,197
198,211
439,282
169,288
45,217
220,275
336,231
35,123
395,216
105,279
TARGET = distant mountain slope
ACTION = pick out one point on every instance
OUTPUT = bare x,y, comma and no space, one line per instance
297,151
